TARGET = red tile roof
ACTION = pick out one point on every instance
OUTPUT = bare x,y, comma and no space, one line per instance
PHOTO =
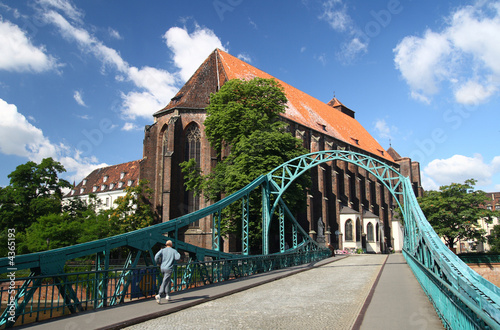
333,119
309,111
113,175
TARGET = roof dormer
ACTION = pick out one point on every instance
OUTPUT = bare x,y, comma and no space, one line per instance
336,104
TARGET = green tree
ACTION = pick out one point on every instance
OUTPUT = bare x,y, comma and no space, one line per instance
133,211
494,240
244,118
79,222
454,211
95,223
35,190
51,231
243,107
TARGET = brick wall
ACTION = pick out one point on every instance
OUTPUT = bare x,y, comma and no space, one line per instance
490,271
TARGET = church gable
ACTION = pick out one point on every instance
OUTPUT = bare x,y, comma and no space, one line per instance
195,94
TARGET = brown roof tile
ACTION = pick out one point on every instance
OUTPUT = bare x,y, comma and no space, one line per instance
333,119
113,175
309,111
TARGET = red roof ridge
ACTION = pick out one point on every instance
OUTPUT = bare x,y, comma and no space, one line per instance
309,111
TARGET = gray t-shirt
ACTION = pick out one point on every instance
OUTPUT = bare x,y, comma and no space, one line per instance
166,257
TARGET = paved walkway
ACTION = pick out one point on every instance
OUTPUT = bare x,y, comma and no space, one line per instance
359,292
397,301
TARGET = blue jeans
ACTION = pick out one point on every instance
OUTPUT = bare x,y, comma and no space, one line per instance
165,284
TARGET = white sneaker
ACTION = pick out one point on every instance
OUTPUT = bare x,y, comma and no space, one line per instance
167,297
158,298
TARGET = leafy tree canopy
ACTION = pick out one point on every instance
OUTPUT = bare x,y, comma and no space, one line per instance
133,211
242,107
454,211
35,190
494,240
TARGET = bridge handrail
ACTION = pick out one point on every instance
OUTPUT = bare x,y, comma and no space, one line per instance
472,287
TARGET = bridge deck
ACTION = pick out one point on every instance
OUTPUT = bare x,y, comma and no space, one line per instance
367,292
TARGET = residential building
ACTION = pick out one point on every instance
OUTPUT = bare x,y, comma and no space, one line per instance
107,184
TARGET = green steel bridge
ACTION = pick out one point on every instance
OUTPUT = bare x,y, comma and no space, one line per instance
43,285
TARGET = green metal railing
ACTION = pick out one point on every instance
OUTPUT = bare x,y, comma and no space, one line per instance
128,284
462,298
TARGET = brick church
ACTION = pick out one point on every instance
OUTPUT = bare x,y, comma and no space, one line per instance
353,209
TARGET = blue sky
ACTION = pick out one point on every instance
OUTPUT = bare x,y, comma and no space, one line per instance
79,80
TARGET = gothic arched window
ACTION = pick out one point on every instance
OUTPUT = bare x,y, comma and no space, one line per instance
348,230
358,230
165,142
193,144
192,151
369,232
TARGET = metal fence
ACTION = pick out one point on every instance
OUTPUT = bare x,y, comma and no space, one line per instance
90,290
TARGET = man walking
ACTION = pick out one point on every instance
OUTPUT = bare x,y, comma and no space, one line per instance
165,258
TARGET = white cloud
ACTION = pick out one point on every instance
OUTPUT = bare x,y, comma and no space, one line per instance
86,41
474,30
459,168
78,98
115,34
335,14
472,92
158,86
420,97
464,54
190,50
20,138
140,104
155,86
245,57
19,54
428,183
421,61
79,167
65,6
351,49
385,131
252,23
321,58
130,127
